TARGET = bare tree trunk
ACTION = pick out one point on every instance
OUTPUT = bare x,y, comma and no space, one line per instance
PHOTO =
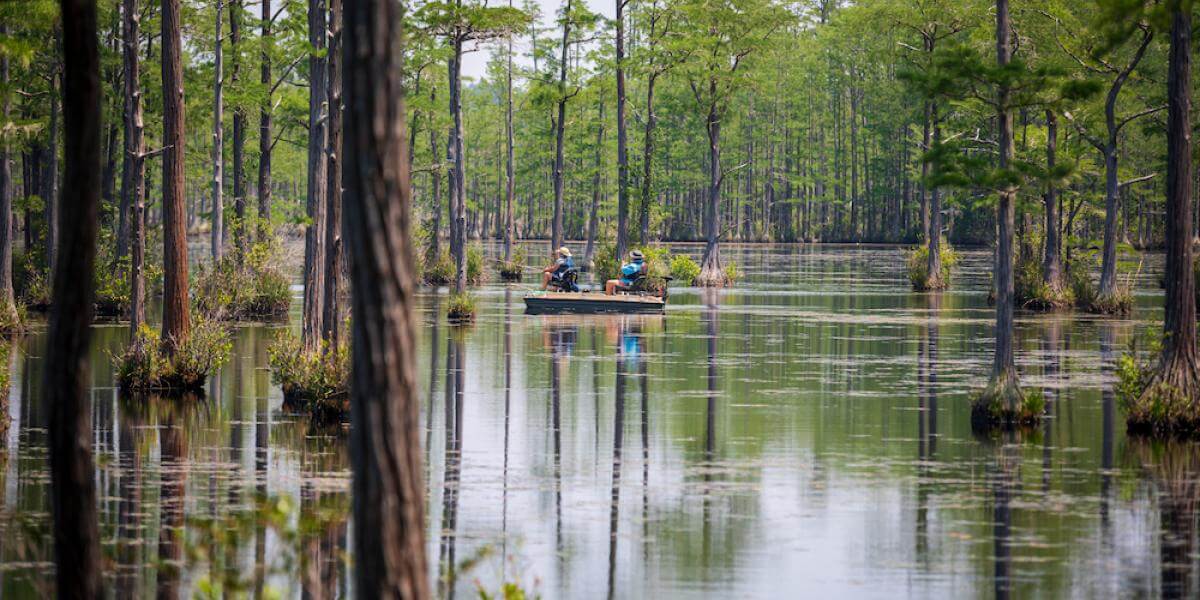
595,208
50,171
556,235
134,173
435,177
509,152
1179,360
454,152
647,160
1052,267
240,235
218,152
385,450
314,234
8,305
1000,401
712,273
176,321
65,379
622,139
333,237
264,130
933,265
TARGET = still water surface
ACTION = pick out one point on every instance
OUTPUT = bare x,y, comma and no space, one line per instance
805,433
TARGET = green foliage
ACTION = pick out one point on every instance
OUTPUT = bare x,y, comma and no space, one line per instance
440,271
1032,291
732,273
147,367
475,271
512,270
916,263
1003,404
314,382
685,270
460,308
250,289
30,283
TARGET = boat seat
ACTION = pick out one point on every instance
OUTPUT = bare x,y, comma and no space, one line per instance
569,282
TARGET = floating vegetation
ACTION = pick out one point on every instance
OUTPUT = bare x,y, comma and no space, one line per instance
460,310
512,270
147,366
316,383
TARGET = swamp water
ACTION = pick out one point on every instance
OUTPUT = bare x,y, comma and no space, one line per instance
805,433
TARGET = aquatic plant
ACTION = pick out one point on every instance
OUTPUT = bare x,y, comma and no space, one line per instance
146,366
316,383
1031,290
917,266
438,271
684,269
512,270
249,289
460,309
476,274
1003,404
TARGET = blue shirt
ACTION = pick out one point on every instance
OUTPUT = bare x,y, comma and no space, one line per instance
630,270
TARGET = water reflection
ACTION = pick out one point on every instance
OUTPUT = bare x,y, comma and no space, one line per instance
1173,468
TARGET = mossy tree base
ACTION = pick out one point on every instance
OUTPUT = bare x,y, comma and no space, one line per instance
916,262
147,367
316,383
461,309
1118,303
1002,404
1161,402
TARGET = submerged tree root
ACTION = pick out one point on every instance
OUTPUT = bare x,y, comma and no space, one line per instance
1002,404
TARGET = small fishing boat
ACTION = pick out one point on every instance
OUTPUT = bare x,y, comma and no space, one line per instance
542,303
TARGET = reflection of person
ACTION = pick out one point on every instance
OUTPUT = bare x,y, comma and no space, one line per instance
556,270
630,271
629,345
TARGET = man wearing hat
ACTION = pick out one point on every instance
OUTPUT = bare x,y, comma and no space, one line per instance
630,271
558,268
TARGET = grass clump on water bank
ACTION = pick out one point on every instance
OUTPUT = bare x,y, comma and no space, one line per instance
317,383
1031,290
511,270
1154,403
247,290
438,270
684,269
917,266
1002,404
460,310
146,365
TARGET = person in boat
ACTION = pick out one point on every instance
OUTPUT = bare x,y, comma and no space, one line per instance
556,270
630,272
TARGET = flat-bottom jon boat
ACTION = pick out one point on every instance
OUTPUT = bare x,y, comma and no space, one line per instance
545,303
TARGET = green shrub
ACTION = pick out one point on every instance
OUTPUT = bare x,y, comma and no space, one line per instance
113,291
512,270
1031,290
684,269
460,308
917,265
475,271
254,289
314,382
30,282
146,367
440,271
732,273
605,263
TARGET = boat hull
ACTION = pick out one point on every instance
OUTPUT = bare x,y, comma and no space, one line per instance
591,303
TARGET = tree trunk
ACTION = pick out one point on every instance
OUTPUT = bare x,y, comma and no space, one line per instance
8,305
647,160
134,171
65,379
712,273
509,152
50,176
595,208
240,234
933,265
264,130
218,152
385,449
556,235
333,237
1000,401
622,139
1179,356
1052,267
314,234
435,177
454,152
176,321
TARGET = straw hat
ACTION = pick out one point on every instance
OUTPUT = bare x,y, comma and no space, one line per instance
564,252
636,255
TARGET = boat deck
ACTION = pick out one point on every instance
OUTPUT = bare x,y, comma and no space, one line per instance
591,302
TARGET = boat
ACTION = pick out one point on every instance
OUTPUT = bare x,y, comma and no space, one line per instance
543,303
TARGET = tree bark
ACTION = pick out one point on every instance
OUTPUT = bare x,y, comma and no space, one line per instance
240,234
622,138
333,237
509,156
647,159
384,445
556,235
176,321
596,181
1052,267
1179,357
454,154
218,152
264,130
711,271
8,305
65,379
49,193
933,265
314,234
134,172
